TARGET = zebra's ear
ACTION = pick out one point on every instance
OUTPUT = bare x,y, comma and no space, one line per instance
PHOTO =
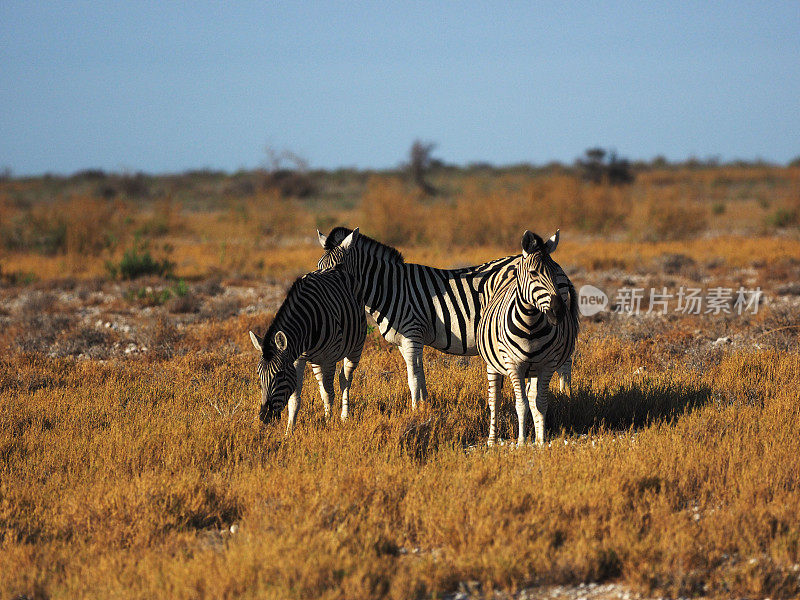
551,244
322,238
528,243
257,341
280,341
348,241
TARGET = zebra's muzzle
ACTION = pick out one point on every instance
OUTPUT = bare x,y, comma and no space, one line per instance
267,414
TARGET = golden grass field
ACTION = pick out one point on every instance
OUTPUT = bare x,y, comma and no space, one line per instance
132,462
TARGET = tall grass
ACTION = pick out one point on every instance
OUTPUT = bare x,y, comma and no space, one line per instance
206,223
492,212
135,478
78,225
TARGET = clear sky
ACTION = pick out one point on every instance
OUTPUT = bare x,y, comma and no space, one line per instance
168,86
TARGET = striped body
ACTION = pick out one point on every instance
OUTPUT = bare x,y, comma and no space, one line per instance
322,321
521,334
417,305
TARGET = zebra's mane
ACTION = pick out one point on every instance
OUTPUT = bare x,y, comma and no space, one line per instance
337,234
573,306
268,344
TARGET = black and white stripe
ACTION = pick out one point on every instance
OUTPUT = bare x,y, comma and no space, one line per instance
322,321
528,329
417,305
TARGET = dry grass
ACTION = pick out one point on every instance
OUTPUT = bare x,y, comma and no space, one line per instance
75,234
124,479
132,463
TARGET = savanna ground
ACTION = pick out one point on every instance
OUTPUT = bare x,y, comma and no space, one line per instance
132,463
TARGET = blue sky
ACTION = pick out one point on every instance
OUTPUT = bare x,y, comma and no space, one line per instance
167,86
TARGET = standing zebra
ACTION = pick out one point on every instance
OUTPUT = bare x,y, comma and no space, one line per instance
321,321
416,305
528,331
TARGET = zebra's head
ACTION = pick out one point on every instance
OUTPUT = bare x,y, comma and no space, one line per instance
336,245
536,277
276,375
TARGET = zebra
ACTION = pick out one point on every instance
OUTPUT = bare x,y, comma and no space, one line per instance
321,321
417,305
527,330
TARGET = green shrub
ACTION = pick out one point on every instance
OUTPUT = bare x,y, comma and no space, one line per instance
149,296
137,262
783,217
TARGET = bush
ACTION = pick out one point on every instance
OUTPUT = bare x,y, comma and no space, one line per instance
783,217
681,220
80,224
595,168
137,262
289,183
390,213
419,165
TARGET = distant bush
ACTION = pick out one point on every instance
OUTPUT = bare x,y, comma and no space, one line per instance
176,297
287,173
391,213
82,225
674,221
91,174
420,163
165,218
137,262
289,183
783,217
134,186
596,169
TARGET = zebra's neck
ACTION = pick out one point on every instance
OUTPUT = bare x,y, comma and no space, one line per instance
495,275
296,330
378,285
528,316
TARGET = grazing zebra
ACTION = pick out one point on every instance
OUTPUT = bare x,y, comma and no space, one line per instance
416,305
321,321
527,330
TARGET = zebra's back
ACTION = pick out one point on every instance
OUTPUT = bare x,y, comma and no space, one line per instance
334,315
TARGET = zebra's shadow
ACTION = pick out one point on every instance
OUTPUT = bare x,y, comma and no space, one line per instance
634,405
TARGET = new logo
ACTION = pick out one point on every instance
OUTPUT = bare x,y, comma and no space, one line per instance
591,300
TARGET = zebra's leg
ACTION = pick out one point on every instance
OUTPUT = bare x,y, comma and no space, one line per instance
530,392
530,388
325,374
294,399
412,354
538,404
517,375
346,380
565,378
495,385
